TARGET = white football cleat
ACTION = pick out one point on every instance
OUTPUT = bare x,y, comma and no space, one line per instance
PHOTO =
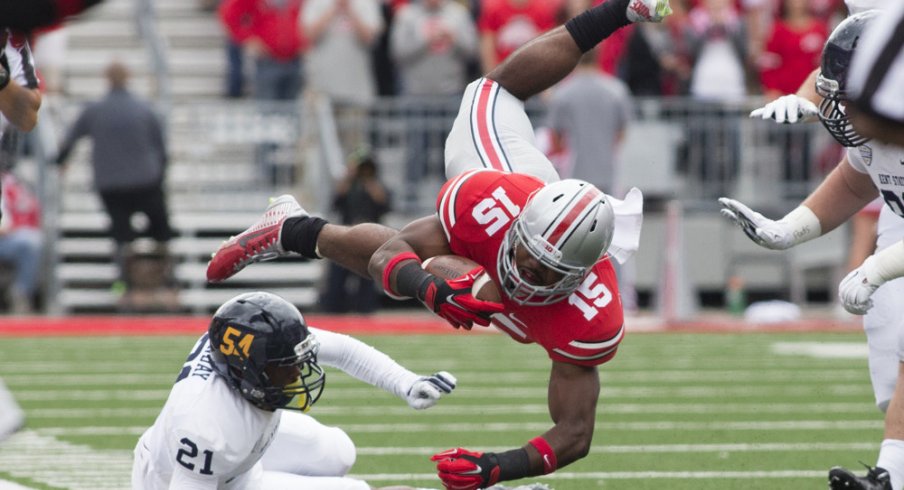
648,10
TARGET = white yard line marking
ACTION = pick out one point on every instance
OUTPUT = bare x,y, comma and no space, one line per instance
845,425
75,466
8,485
605,408
785,425
642,448
653,448
822,350
625,475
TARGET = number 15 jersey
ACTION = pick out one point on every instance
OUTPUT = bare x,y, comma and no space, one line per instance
476,209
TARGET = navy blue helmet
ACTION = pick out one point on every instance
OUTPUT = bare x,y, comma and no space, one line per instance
261,344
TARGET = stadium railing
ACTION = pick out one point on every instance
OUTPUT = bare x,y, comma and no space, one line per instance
228,157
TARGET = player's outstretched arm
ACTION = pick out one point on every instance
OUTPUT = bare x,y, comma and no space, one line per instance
363,362
796,227
573,393
801,106
844,192
397,266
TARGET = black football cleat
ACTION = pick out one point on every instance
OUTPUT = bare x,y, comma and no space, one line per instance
875,479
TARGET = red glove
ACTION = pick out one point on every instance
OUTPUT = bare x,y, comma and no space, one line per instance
452,300
460,469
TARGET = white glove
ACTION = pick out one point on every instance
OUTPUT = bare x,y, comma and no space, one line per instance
775,235
855,289
427,390
788,109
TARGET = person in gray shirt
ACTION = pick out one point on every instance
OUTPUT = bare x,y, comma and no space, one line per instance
432,43
129,158
588,115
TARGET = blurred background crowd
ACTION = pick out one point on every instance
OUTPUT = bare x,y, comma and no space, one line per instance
346,103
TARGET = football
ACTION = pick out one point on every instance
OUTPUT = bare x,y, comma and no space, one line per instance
452,266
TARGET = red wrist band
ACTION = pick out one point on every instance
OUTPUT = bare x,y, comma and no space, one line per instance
546,454
393,262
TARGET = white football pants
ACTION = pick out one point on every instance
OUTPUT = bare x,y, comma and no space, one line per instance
492,130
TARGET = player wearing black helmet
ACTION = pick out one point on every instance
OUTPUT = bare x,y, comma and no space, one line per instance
874,288
831,82
259,342
234,420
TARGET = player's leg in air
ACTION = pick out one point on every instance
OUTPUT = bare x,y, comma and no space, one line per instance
491,130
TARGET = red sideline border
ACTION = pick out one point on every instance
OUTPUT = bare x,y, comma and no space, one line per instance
382,324
195,325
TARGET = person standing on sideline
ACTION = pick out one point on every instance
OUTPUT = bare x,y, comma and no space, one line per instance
588,115
360,197
129,159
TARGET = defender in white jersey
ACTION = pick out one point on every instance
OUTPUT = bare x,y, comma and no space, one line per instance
868,170
234,418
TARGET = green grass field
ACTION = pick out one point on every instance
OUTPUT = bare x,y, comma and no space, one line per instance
678,411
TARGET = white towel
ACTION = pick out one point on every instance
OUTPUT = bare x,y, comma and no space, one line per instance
628,221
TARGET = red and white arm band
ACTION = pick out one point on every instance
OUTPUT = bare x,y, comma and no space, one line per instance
546,454
387,272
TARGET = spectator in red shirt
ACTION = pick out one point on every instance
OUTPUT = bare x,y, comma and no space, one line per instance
20,242
505,25
792,49
271,33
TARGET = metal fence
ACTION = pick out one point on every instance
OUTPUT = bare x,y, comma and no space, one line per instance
676,148
227,156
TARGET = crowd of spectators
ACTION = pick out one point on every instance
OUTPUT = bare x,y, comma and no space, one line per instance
713,49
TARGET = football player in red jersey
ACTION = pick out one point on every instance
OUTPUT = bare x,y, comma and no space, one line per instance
546,243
